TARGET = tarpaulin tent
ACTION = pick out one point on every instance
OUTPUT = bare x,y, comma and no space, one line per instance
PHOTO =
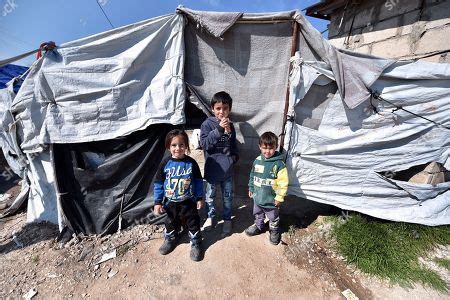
350,118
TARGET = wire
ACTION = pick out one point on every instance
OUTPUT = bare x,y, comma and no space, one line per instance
112,26
376,95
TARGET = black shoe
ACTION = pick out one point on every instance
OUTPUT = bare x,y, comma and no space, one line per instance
196,252
253,230
275,237
168,245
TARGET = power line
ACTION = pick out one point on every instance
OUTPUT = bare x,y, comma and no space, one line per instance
104,14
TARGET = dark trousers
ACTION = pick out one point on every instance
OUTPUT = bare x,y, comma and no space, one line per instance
260,214
178,211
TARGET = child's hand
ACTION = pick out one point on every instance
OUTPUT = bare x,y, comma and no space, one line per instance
158,210
250,194
199,204
277,203
225,124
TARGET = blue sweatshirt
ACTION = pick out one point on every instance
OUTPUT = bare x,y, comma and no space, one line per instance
178,180
220,150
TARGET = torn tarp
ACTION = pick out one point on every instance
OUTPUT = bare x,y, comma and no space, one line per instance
337,154
354,72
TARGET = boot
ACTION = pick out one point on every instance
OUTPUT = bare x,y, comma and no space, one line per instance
196,246
275,236
226,227
253,230
275,232
170,242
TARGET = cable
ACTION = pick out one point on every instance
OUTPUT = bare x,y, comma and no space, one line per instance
104,14
376,95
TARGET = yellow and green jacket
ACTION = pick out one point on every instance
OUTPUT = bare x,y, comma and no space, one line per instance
268,180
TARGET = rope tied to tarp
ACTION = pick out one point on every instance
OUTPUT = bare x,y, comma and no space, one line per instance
376,95
46,46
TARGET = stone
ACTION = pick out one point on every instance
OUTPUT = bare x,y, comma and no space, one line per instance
392,48
434,40
433,174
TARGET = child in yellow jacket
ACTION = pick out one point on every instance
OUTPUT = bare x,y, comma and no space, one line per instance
267,185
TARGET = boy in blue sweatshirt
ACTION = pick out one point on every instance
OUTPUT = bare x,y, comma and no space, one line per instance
267,186
218,140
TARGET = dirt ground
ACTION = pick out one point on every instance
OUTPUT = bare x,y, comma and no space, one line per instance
302,267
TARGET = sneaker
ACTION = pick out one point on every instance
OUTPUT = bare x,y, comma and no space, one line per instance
196,251
209,224
226,227
275,237
253,230
168,246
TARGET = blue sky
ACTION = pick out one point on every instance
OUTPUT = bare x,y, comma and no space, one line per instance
25,24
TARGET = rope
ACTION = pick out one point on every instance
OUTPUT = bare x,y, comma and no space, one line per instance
377,96
45,46
16,58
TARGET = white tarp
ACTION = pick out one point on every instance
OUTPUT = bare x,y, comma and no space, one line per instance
351,158
104,86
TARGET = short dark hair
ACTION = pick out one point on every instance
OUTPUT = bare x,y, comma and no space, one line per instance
268,138
174,133
221,97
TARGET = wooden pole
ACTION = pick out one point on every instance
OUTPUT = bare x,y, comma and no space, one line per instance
286,103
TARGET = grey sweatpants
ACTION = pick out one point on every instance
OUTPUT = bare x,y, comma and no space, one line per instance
261,213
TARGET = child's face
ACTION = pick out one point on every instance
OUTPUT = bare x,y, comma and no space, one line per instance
221,111
177,147
267,150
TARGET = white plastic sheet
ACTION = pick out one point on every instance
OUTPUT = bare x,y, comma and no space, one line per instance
345,161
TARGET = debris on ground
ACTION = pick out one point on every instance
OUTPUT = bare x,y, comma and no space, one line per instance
30,294
107,256
349,295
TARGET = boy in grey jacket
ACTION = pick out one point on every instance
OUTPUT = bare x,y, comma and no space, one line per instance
218,140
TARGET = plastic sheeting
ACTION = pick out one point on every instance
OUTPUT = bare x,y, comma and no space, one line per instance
104,86
8,72
104,186
350,159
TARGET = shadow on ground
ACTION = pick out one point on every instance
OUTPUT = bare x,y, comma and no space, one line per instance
30,234
301,213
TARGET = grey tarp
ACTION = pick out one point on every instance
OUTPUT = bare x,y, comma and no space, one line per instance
104,86
97,88
349,158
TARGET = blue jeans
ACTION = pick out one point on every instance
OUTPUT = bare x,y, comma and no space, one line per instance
226,187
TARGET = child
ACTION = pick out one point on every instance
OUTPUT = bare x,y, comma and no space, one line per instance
218,140
178,190
267,185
